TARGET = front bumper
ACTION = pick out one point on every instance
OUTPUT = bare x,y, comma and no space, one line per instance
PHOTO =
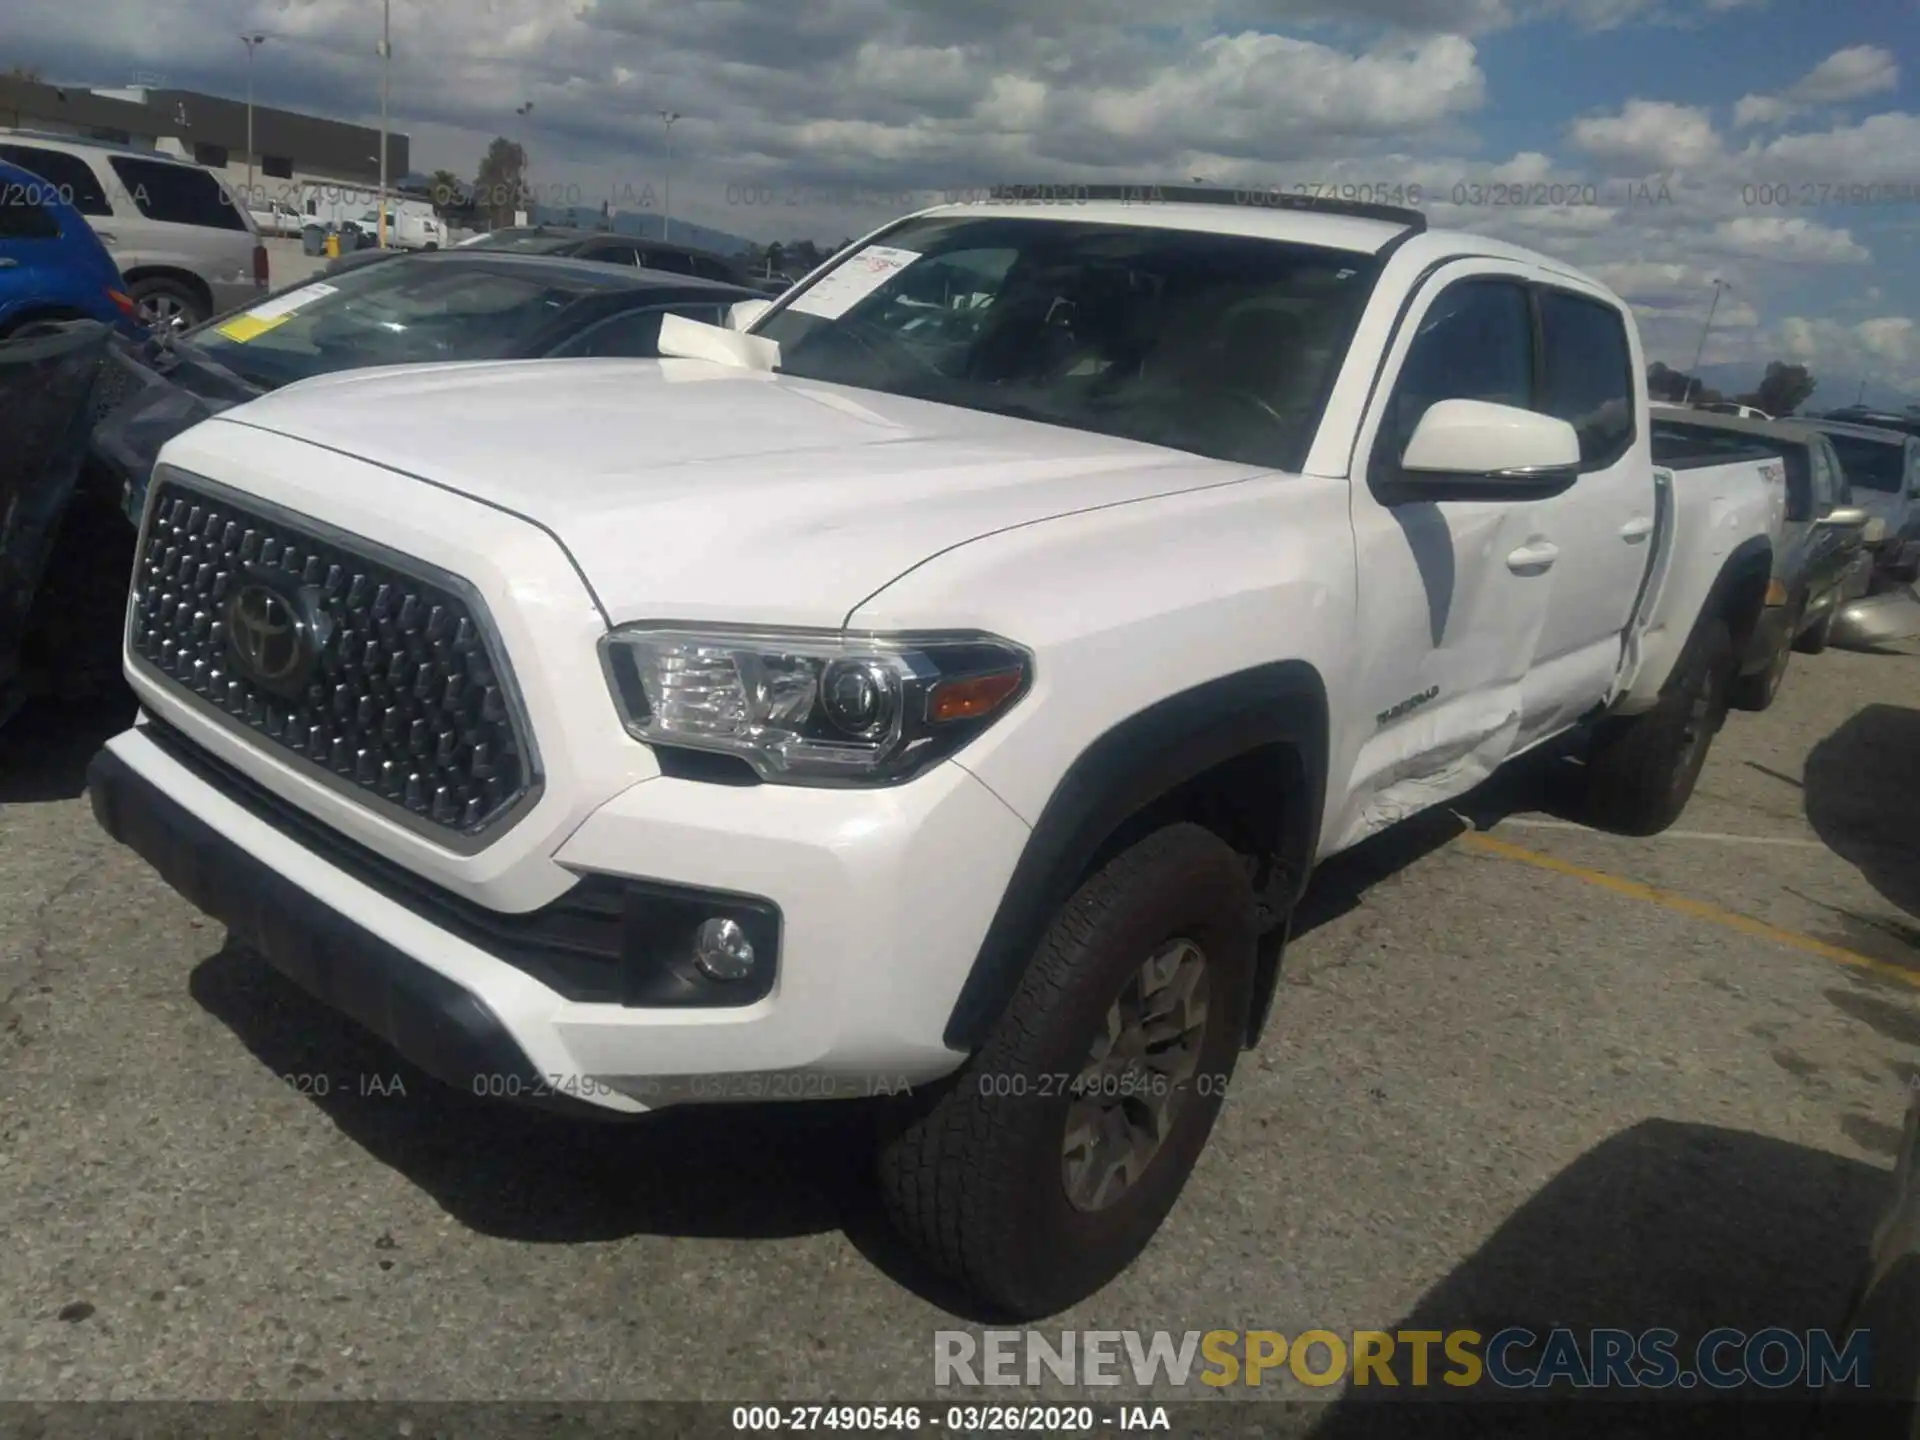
883,899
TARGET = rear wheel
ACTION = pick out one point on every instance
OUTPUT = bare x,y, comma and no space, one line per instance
1757,691
167,304
1817,636
1048,1163
1641,769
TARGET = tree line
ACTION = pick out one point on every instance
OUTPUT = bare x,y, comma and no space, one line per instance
1782,389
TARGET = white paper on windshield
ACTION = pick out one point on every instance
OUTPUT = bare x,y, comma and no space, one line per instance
291,301
263,317
852,280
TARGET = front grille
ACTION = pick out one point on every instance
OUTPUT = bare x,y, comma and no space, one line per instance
374,671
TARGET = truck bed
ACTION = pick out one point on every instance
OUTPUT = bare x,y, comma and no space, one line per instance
1709,507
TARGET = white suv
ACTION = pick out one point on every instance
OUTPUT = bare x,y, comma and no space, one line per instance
187,248
949,685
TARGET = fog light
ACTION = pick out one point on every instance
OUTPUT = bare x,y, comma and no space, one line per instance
722,951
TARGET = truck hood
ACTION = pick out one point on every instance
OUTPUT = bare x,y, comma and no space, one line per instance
685,489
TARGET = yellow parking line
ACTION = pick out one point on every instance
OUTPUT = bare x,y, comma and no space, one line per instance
1687,905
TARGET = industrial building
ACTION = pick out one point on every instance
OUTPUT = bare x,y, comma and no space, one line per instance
290,150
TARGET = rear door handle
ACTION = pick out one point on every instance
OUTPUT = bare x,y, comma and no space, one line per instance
1637,529
106,237
1533,557
7,262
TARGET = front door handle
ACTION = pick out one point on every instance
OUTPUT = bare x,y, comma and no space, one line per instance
7,262
1533,557
1637,529
106,237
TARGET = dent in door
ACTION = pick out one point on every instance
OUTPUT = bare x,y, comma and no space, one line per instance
1456,631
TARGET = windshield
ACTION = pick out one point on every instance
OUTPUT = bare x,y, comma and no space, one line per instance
402,311
1220,345
1870,464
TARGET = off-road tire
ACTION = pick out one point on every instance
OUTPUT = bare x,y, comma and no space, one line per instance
975,1182
1641,769
1819,635
1758,691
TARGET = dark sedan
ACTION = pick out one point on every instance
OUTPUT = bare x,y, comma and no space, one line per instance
422,307
611,248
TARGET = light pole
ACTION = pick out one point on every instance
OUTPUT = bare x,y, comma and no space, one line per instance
1718,286
386,74
526,166
666,192
250,41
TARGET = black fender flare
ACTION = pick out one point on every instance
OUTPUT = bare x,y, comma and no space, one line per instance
1140,760
1751,558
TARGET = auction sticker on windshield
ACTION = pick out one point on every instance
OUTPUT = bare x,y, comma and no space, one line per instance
850,282
263,317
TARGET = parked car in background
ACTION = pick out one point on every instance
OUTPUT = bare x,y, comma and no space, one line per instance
53,268
1734,408
854,702
276,217
183,242
410,226
1883,469
1817,548
615,249
391,309
45,379
1907,422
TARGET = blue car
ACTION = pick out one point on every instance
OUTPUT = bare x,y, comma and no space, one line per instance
52,266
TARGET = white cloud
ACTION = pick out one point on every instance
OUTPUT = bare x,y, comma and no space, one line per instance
1777,237
1761,110
1649,137
1850,74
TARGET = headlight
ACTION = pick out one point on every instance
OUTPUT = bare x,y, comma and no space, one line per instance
813,707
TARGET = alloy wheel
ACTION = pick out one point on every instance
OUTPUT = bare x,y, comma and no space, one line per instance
1133,1085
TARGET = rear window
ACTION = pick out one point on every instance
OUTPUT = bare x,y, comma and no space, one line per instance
1870,464
77,183
21,216
177,194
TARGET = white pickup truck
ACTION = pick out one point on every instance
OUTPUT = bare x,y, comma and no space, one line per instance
882,705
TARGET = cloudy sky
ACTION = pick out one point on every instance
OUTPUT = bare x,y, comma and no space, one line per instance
1771,144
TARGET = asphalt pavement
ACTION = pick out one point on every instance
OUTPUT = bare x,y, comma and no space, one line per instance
1518,1071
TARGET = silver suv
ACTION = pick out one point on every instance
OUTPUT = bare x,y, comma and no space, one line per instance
186,246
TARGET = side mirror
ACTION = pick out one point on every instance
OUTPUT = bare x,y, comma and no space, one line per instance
1845,517
1499,445
743,313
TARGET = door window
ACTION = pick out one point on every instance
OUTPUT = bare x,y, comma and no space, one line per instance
77,183
1474,343
1587,374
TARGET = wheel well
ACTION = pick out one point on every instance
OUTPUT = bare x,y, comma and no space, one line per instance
179,277
1245,800
41,316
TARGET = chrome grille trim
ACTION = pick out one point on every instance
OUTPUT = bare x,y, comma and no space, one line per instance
412,710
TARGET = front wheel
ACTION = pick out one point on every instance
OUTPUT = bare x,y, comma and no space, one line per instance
1052,1158
1641,769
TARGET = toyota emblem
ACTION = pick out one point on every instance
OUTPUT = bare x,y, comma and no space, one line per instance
270,639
